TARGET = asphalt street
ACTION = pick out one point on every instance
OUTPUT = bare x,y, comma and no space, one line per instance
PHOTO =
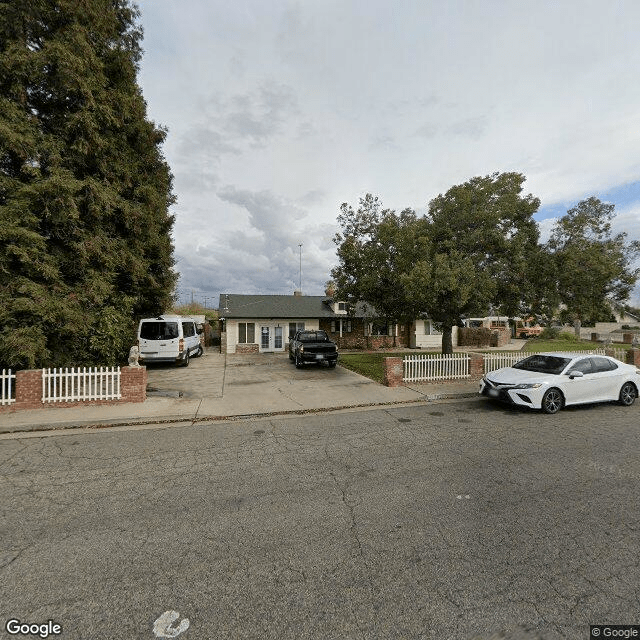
459,520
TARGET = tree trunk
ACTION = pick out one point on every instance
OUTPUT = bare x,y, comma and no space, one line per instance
447,342
577,323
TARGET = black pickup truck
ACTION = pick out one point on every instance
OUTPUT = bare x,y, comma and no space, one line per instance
312,346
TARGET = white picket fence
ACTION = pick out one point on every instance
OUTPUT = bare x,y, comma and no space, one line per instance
433,367
7,387
455,366
74,385
620,354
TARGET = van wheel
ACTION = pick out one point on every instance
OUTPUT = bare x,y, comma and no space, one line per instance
185,362
200,351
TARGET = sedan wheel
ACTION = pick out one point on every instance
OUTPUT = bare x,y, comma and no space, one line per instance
552,401
627,394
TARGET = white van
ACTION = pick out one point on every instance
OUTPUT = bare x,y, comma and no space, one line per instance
169,339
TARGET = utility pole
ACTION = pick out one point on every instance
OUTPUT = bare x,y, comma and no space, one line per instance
300,286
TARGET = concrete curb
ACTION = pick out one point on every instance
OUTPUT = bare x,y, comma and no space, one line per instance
182,419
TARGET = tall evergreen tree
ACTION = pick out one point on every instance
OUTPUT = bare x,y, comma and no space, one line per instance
85,242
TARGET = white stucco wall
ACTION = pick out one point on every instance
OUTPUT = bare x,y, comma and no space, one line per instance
232,329
426,337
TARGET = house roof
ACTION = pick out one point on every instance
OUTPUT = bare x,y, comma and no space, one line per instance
233,305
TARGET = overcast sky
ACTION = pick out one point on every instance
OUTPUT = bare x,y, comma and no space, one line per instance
279,111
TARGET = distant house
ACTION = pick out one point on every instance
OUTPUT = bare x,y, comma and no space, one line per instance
264,323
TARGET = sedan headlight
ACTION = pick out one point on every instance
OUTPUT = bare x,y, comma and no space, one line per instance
528,385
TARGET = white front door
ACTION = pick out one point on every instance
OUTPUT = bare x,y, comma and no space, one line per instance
265,339
271,338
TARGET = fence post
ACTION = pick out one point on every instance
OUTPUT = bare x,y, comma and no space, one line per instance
133,384
476,365
633,357
393,372
28,389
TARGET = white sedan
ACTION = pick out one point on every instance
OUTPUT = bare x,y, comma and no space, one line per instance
550,381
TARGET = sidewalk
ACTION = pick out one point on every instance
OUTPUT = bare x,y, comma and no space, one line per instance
237,390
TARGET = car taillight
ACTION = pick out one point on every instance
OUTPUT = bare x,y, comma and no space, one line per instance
181,344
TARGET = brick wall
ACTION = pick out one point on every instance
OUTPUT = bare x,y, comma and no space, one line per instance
476,366
133,384
393,372
356,339
633,357
500,336
247,348
133,388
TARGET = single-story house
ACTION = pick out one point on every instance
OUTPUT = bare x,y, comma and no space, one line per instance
264,323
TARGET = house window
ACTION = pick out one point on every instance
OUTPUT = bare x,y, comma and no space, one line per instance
342,306
498,323
277,338
246,332
346,326
429,329
381,329
294,327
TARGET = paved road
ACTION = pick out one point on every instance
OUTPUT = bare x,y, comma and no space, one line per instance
449,521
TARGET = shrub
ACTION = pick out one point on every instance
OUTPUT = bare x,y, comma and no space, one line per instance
474,337
567,336
550,333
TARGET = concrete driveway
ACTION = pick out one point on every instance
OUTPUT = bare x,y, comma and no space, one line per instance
267,382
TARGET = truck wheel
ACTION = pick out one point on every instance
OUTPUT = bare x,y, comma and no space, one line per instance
298,362
332,365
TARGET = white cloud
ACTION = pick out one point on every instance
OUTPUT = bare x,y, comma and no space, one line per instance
302,106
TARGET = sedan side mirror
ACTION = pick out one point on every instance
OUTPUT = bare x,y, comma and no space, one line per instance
575,374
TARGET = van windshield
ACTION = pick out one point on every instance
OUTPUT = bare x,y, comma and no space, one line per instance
159,330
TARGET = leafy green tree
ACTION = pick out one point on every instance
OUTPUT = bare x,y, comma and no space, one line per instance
473,250
374,247
593,268
85,242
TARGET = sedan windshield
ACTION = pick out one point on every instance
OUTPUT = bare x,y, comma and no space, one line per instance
543,364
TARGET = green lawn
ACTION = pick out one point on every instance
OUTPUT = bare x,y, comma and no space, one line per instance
557,344
369,364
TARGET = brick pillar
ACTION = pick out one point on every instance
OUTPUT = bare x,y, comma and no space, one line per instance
133,384
28,389
633,357
476,365
393,372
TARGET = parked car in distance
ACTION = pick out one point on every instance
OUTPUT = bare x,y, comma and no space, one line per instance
525,329
312,347
169,339
550,381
